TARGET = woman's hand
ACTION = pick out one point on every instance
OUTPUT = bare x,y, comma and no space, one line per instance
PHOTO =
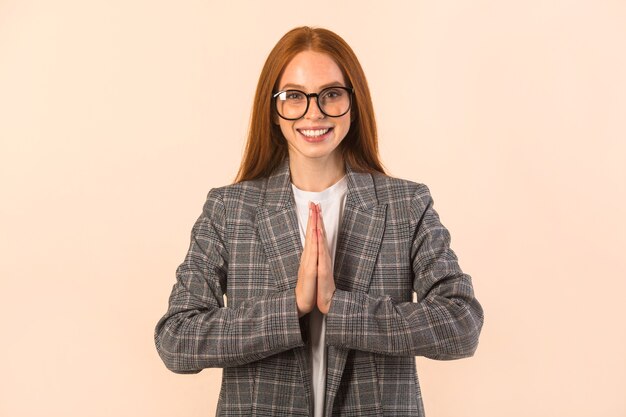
325,279
316,284
306,288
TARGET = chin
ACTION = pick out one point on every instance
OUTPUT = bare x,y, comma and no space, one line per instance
319,154
310,150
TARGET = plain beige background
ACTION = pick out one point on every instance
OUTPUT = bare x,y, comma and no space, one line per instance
117,117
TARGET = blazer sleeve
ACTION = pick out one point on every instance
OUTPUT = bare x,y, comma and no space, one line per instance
198,331
444,323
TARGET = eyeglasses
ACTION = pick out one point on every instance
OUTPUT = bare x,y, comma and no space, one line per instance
332,101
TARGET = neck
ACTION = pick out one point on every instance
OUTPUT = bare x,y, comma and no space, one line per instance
316,175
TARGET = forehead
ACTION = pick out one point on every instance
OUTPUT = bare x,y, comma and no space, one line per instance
311,69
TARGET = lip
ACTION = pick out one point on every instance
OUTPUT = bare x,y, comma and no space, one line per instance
316,138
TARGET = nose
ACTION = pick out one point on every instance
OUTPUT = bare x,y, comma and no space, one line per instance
314,112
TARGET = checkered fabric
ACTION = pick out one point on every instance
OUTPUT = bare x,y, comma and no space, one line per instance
246,245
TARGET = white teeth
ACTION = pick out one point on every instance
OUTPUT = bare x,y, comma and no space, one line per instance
314,133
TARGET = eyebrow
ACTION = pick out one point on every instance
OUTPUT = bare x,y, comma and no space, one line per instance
301,87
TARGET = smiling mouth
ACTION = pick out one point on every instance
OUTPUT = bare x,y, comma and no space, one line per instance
314,133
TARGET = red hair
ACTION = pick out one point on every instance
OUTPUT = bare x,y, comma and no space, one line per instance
266,147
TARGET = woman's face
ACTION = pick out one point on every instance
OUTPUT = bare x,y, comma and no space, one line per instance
314,136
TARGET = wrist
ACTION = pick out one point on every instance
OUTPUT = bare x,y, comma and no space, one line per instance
303,308
325,307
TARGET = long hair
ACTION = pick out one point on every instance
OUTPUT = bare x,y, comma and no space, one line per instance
266,146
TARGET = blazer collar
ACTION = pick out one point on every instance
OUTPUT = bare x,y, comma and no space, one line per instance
279,195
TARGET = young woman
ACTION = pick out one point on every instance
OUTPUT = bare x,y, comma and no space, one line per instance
319,253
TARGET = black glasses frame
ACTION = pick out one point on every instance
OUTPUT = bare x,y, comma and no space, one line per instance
350,91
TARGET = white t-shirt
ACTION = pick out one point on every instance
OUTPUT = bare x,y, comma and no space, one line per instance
332,201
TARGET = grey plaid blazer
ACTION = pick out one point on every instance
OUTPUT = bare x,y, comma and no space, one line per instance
246,245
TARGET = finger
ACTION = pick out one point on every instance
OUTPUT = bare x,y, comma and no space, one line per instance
322,242
325,281
321,252
314,225
312,240
320,220
321,227
312,222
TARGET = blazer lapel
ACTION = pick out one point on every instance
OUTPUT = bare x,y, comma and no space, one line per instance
279,232
360,234
278,228
358,244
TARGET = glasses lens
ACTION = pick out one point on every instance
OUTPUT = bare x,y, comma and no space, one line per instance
333,101
291,104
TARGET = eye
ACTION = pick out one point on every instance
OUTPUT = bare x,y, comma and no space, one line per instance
332,93
293,95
